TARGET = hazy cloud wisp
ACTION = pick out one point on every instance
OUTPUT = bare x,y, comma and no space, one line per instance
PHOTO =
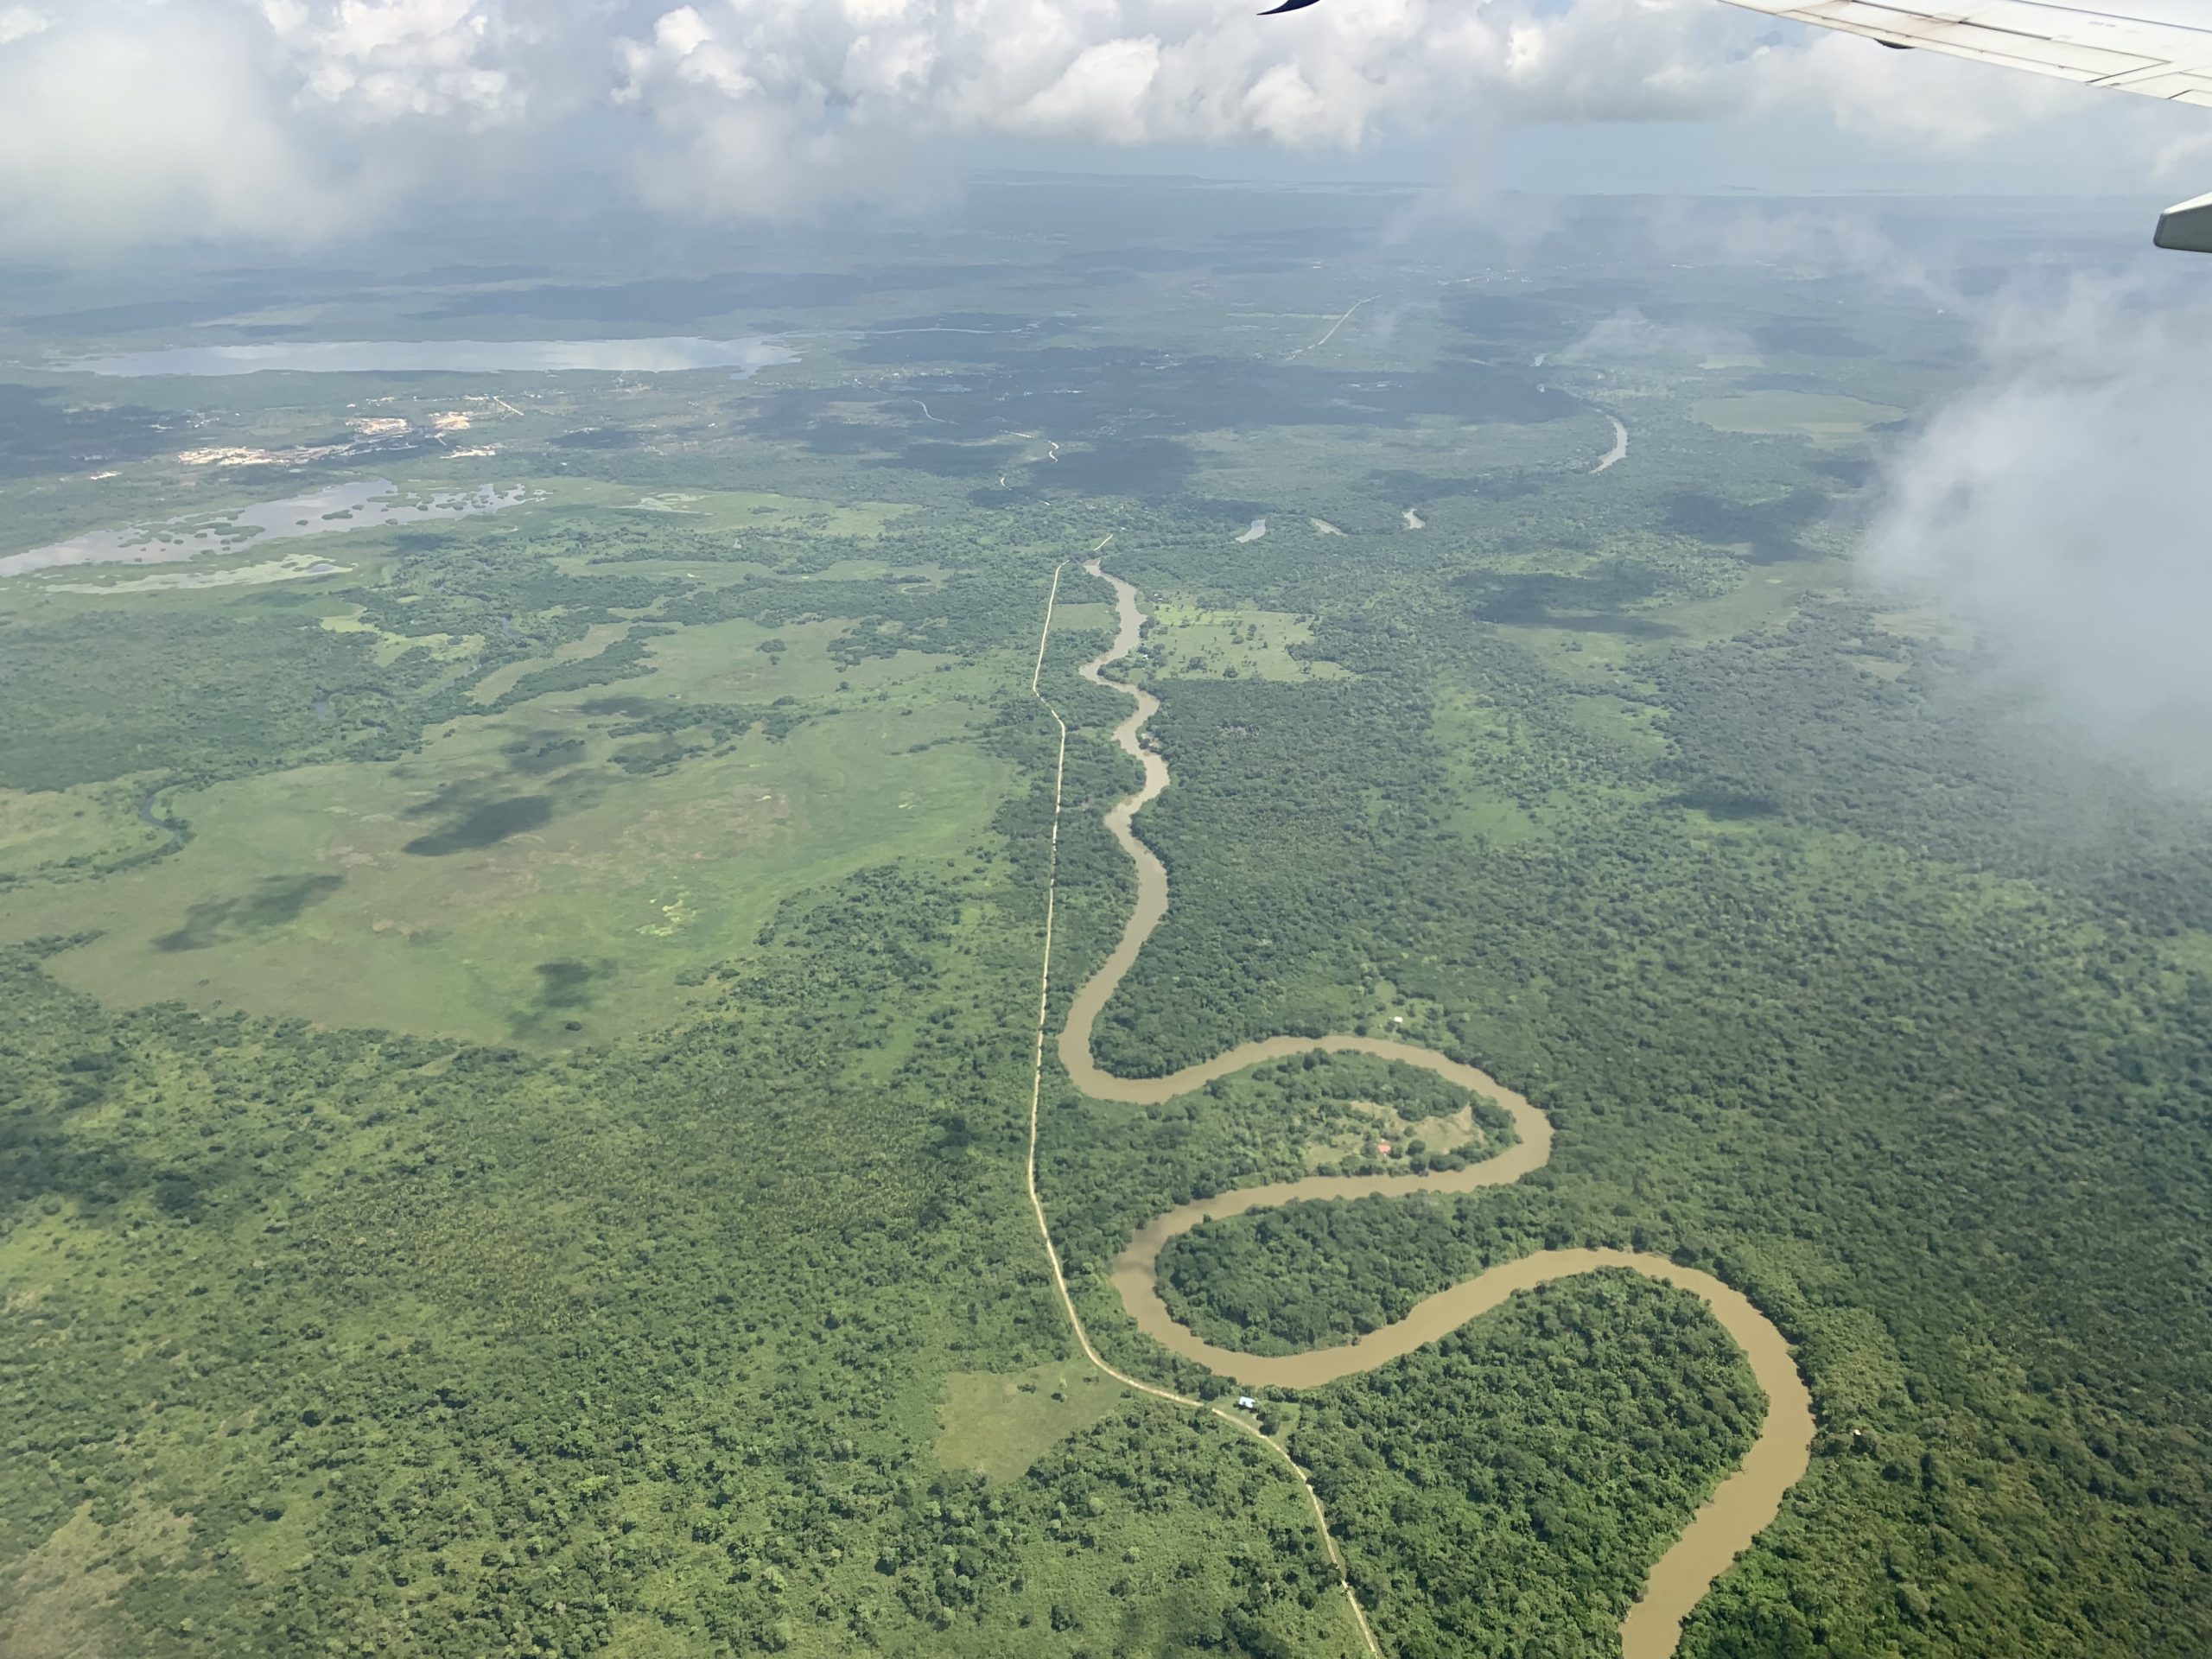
2057,508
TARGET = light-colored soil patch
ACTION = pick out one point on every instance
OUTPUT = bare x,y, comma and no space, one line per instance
1618,452
1255,531
1324,527
1415,521
998,1424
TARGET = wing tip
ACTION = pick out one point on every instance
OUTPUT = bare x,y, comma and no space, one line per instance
2186,227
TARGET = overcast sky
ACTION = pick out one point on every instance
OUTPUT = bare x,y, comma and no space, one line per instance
289,119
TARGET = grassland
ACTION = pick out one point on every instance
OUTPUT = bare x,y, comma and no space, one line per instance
520,879
1825,417
89,828
998,1426
1188,640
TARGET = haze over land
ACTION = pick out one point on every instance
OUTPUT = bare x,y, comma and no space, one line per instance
768,885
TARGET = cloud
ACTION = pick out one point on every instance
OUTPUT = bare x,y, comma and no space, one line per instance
18,22
1630,336
1128,72
109,135
291,117
1923,95
2057,508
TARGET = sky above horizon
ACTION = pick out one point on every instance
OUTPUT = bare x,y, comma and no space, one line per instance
289,121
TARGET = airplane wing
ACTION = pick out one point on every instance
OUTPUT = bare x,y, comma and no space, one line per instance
2159,49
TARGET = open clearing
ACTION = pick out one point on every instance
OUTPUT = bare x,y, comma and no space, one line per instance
1825,417
737,511
999,1424
1190,642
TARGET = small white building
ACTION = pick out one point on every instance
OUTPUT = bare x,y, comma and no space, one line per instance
1246,1402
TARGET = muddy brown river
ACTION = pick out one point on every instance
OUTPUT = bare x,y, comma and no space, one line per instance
1743,1504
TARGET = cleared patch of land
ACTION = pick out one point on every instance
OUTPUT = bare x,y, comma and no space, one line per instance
998,1424
1825,417
737,511
391,647
1191,642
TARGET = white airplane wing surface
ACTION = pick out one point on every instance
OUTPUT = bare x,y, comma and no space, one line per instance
2159,49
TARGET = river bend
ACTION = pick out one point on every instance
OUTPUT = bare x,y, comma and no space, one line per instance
1738,1508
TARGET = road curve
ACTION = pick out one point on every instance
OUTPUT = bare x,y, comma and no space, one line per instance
1738,1508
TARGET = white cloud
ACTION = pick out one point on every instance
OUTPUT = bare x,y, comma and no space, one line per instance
2058,508
111,134
1630,336
758,105
1913,95
18,22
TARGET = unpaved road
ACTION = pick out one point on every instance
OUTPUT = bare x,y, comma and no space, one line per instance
1333,326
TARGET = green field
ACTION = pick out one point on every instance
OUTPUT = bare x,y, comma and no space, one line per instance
1187,640
1000,1426
1825,417
452,896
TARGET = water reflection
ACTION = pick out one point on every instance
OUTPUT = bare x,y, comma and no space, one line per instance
361,505
747,357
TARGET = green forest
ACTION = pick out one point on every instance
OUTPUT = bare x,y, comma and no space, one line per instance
515,1081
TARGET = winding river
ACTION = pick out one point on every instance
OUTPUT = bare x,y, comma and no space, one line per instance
1738,1508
